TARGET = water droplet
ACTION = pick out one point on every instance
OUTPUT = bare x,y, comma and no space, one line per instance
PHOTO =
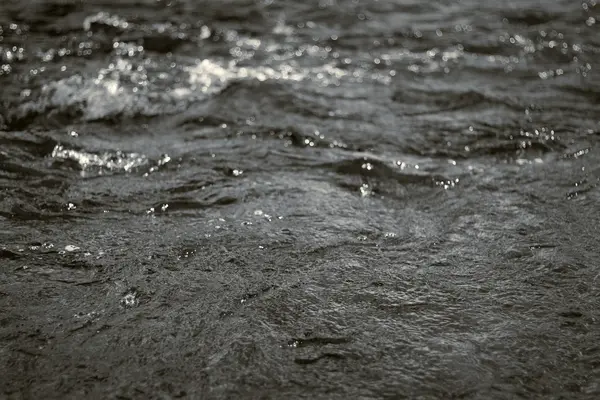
365,190
164,159
205,32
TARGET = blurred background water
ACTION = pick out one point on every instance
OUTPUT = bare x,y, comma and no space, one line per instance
285,199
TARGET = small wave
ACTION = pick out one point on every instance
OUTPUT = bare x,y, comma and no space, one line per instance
373,168
123,91
371,175
25,145
529,17
101,163
99,99
444,101
505,142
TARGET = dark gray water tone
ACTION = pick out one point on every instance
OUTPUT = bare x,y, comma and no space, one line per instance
280,199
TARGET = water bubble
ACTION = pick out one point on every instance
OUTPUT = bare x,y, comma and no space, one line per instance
70,248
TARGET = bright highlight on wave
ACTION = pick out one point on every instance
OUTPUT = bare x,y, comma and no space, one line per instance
109,161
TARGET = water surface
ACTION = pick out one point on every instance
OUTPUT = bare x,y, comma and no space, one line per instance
284,199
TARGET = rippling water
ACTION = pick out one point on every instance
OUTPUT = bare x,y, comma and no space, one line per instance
284,199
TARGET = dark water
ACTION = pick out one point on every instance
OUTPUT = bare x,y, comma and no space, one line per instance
282,199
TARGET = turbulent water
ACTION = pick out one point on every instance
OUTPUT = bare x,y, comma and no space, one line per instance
299,199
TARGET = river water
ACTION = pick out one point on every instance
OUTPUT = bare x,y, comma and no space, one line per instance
324,199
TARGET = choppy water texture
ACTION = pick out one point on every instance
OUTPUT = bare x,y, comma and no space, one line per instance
283,199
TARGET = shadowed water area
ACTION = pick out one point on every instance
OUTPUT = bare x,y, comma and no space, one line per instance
334,199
